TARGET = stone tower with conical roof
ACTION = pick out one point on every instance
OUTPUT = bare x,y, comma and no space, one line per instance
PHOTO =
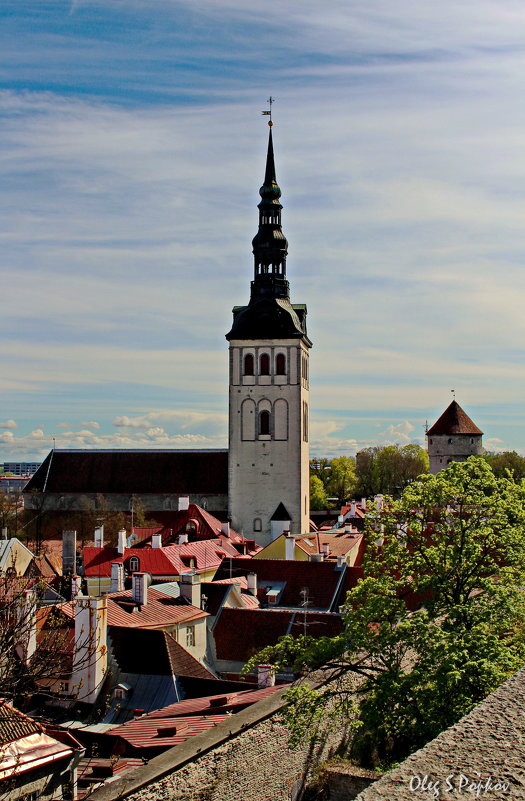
269,395
453,438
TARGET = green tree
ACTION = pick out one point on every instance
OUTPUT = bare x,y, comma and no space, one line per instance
505,463
388,470
341,480
437,621
318,494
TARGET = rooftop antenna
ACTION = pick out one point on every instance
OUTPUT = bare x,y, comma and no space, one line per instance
453,393
426,426
268,113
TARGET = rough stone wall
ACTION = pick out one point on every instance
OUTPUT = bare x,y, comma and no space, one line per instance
246,759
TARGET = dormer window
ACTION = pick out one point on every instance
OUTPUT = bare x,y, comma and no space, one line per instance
191,526
134,564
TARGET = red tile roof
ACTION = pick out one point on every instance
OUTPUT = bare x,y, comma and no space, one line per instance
241,633
454,421
320,578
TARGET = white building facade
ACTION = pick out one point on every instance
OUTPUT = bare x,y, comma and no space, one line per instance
269,390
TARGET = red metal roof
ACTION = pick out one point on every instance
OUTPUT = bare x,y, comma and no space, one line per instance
160,611
203,555
176,723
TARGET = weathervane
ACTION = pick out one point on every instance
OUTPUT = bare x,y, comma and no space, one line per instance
269,113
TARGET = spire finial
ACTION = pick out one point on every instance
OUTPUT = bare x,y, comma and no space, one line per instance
453,393
268,113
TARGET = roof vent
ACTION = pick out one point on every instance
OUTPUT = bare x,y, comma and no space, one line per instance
167,731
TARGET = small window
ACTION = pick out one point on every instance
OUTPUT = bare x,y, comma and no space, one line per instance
118,693
264,423
63,686
450,441
190,636
134,564
257,524
248,364
430,441
264,364
280,364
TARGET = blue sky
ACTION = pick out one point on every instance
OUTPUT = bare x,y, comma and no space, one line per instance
132,149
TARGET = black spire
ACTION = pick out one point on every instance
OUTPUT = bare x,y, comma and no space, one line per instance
270,247
269,314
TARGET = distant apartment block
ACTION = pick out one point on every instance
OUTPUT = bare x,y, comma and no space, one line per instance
21,468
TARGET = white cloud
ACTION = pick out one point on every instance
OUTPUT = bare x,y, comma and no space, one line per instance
91,424
8,424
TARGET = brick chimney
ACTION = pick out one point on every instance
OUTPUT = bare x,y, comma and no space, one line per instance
190,588
139,588
117,577
90,649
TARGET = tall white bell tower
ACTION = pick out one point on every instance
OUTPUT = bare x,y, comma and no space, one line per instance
269,393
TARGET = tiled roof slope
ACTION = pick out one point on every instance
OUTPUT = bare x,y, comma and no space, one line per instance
322,579
454,421
488,742
240,633
133,471
14,724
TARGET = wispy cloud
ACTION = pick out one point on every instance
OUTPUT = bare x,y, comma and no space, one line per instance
132,150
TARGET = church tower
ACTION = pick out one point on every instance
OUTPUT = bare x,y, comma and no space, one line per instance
269,396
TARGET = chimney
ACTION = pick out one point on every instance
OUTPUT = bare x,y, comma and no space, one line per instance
340,561
363,504
117,577
326,549
4,532
121,542
69,553
252,583
289,546
139,588
265,676
340,521
28,621
183,538
190,588
184,503
76,583
156,540
348,528
352,509
99,537
225,528
90,649
379,502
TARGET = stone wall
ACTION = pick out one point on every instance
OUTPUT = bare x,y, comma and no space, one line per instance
245,758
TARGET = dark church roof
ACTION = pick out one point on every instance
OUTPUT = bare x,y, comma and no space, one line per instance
454,421
133,471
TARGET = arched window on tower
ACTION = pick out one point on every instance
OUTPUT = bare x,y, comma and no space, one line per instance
264,364
248,364
280,364
264,422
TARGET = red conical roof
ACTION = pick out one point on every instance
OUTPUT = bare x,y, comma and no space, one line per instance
454,421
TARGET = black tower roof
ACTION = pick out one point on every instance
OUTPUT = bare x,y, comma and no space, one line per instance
269,314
